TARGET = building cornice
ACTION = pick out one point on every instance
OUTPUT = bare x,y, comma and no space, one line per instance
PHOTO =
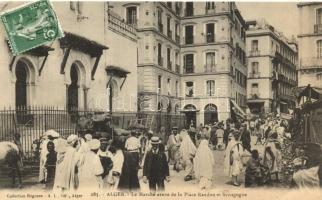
308,4
154,30
207,73
158,67
207,44
268,33
205,16
310,35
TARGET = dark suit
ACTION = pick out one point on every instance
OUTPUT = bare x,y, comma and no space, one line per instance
156,169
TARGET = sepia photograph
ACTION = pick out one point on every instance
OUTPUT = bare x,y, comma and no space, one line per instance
160,100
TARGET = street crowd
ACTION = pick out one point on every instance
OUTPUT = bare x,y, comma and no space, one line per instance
114,164
83,162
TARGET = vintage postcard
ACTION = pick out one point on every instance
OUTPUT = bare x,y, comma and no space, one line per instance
160,100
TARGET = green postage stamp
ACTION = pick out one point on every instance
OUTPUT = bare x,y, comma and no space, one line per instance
30,26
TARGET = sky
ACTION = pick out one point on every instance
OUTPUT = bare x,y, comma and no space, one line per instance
283,16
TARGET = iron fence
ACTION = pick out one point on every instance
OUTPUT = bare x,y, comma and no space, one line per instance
33,122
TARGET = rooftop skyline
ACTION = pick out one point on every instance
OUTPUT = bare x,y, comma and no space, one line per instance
283,16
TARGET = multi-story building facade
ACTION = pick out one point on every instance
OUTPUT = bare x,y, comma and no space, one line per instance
310,44
191,57
77,71
272,61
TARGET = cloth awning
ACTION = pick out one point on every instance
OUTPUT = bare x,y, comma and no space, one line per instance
239,110
116,71
314,92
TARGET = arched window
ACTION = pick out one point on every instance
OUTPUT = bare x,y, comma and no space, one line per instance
72,90
21,84
25,75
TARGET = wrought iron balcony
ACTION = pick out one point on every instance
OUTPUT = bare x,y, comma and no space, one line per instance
160,25
189,69
210,11
317,28
160,61
254,75
178,10
169,34
169,65
311,63
188,12
254,95
177,68
210,38
178,39
210,68
254,52
188,40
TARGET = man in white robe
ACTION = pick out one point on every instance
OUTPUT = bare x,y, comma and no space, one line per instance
115,173
91,169
67,158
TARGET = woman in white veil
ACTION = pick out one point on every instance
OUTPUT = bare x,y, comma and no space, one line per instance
187,152
204,164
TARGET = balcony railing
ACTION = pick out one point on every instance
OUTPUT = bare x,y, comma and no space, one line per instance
311,63
188,69
254,75
169,34
255,52
160,61
169,65
210,11
177,68
254,95
178,10
178,39
210,38
210,68
317,28
188,40
160,25
188,12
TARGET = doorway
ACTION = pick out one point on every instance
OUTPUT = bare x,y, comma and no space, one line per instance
210,114
72,90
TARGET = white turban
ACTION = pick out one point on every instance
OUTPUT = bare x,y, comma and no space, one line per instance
88,137
94,144
72,139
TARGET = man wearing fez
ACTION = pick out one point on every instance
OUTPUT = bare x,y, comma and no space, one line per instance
156,168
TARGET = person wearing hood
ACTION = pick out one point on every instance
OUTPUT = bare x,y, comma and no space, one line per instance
91,169
204,164
67,159
233,163
187,152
